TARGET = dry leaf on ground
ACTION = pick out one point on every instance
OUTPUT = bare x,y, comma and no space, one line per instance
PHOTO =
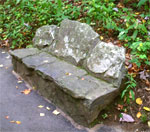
138,115
42,114
139,101
56,112
126,118
19,81
7,117
7,57
69,74
48,108
147,89
101,37
40,106
1,65
12,121
148,123
82,78
146,108
18,122
26,91
45,61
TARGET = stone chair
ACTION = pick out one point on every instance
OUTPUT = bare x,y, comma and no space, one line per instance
73,69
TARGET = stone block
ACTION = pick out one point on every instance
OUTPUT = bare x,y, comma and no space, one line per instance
72,89
106,61
45,36
74,41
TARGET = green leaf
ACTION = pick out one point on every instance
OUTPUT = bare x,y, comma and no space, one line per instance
123,93
143,56
17,1
134,34
141,2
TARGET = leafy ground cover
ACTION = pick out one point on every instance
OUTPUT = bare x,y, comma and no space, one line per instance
124,23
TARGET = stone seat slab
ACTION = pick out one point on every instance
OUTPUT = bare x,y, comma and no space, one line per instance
87,87
22,53
38,59
59,68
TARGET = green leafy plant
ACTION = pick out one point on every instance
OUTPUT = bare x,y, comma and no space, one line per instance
144,118
142,2
131,84
105,115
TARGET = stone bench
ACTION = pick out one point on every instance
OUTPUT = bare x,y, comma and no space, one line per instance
72,68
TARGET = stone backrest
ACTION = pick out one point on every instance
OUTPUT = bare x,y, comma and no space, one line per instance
80,45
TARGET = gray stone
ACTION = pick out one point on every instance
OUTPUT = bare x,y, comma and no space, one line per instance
21,53
38,59
75,39
78,94
59,69
45,36
106,61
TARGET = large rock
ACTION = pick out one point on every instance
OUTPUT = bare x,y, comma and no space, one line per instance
75,39
78,94
106,61
45,36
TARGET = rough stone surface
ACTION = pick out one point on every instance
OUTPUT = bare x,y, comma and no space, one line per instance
21,53
80,95
106,61
38,59
59,69
45,36
75,39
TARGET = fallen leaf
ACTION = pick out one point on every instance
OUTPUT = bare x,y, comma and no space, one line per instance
45,61
120,107
7,57
143,75
126,118
147,89
16,87
1,66
7,117
67,73
146,108
18,122
137,13
143,21
56,112
40,106
6,67
82,78
3,52
148,123
26,91
139,101
12,121
42,114
48,108
19,81
101,37
147,83
138,115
